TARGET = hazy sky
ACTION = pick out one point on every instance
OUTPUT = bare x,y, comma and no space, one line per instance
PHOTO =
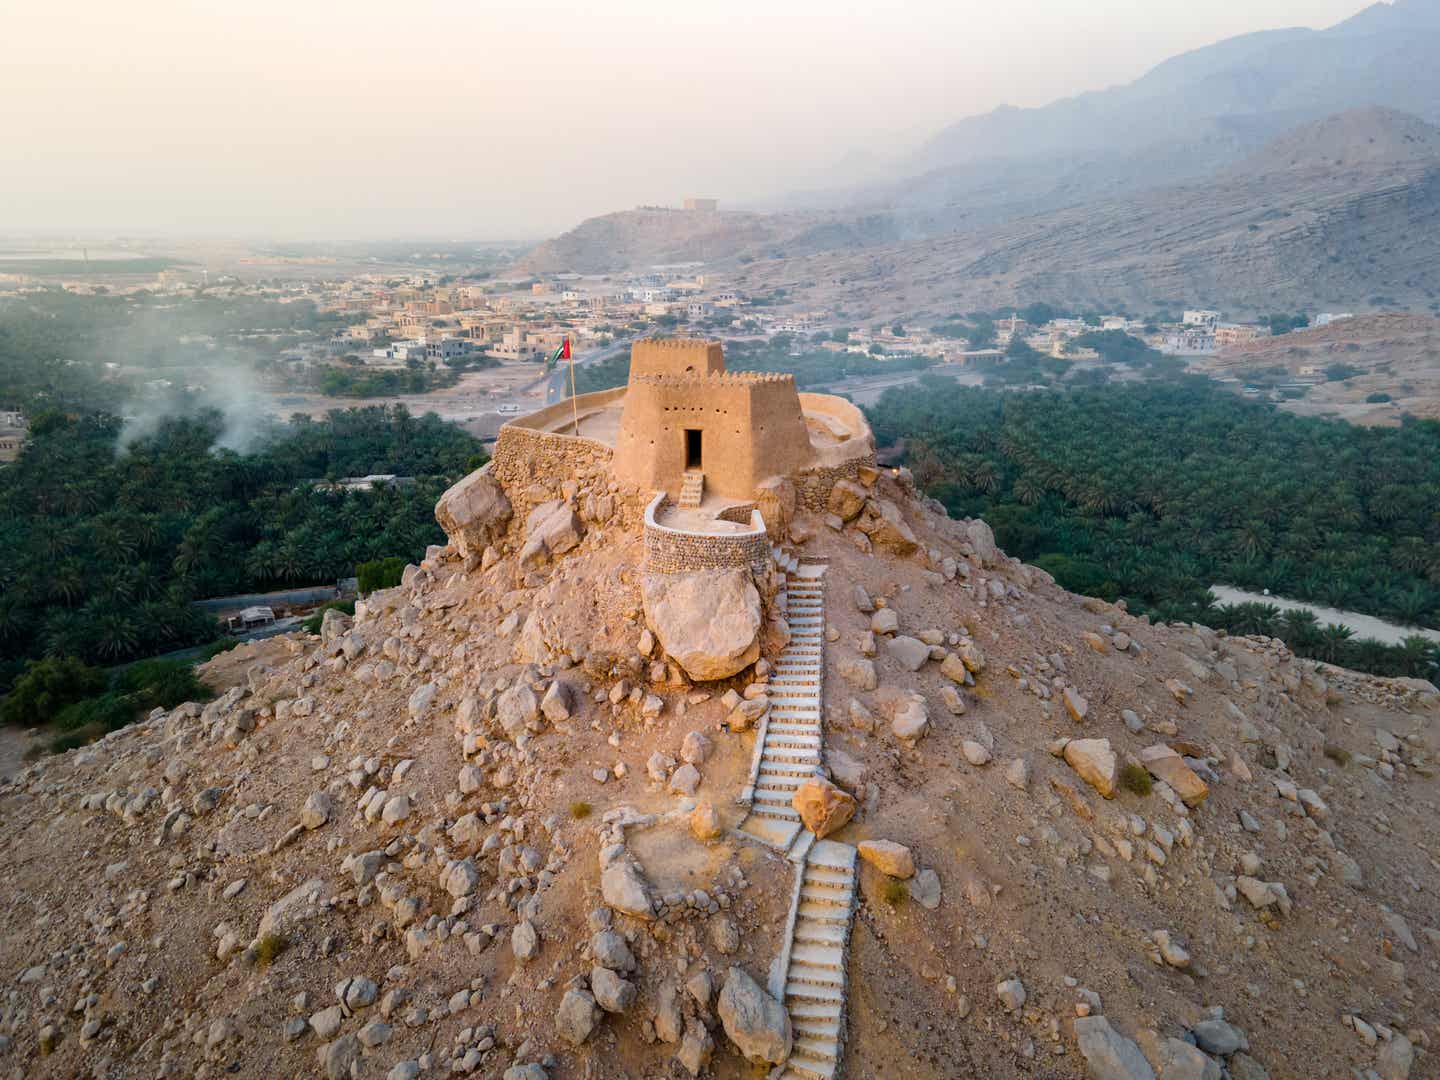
472,119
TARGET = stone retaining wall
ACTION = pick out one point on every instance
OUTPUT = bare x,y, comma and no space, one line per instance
536,466
812,487
675,551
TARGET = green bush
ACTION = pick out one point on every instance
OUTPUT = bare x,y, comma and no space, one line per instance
379,574
1135,779
162,683
47,688
108,712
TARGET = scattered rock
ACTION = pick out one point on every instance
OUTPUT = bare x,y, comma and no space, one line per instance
888,857
1095,762
822,806
1108,1054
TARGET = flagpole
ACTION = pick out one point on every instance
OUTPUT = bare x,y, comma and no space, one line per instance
574,405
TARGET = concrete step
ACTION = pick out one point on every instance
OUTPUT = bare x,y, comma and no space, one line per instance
818,957
818,894
816,992
829,878
820,1050
816,1014
782,756
824,912
771,798
816,932
804,1069
777,833
776,812
833,854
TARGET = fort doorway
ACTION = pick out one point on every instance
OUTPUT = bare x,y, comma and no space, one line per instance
692,448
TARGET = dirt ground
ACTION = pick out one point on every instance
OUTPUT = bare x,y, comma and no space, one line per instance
141,871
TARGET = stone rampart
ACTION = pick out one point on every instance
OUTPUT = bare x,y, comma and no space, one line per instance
534,465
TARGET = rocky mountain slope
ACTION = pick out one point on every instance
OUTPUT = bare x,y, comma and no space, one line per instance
1337,215
485,829
1393,354
1187,117
645,237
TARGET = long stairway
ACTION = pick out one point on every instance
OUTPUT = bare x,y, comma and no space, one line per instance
809,974
813,979
692,490
790,734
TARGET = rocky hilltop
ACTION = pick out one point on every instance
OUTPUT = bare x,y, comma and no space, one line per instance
490,827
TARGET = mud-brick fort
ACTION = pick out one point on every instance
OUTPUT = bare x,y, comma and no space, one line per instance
716,458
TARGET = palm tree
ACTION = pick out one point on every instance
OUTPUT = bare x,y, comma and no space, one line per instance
1333,640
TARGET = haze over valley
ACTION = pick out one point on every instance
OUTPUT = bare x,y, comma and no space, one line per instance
592,543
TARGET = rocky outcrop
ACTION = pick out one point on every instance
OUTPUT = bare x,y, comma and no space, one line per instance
708,621
757,1024
474,512
552,529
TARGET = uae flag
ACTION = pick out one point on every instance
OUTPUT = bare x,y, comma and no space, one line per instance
562,353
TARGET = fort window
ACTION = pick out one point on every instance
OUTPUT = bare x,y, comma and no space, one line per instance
692,448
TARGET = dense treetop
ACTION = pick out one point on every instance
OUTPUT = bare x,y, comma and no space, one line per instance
1155,491
103,547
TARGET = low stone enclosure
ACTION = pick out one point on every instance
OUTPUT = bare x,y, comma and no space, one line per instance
673,548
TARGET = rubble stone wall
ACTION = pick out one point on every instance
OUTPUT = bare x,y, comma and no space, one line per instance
676,551
812,487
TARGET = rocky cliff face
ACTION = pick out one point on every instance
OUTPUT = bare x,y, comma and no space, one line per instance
1350,221
483,829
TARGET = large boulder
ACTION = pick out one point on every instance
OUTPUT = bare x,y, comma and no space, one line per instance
775,499
756,1023
626,890
1167,765
517,710
910,652
847,499
552,529
822,806
910,718
1108,1054
577,1016
888,857
886,527
474,512
982,540
1095,762
708,620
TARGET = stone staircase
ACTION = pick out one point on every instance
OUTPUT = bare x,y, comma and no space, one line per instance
692,490
788,741
809,974
809,977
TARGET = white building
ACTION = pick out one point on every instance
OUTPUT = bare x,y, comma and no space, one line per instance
1325,318
1207,319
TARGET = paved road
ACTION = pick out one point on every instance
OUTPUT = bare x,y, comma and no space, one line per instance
559,380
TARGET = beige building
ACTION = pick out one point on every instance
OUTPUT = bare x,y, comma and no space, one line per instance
1234,334
685,424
